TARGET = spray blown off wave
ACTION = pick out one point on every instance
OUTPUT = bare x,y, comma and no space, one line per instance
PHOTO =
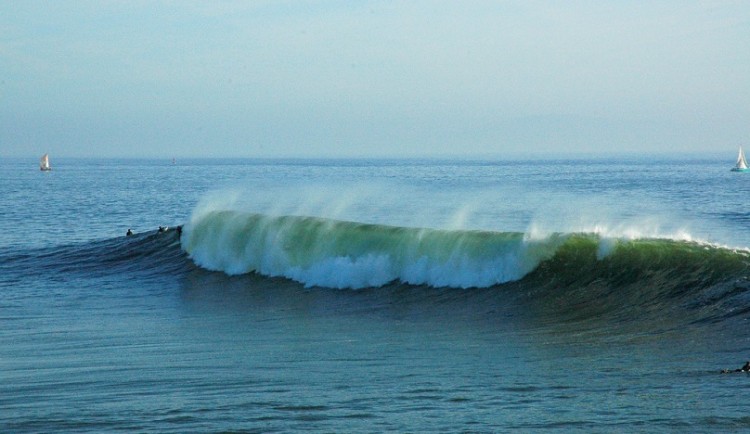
338,254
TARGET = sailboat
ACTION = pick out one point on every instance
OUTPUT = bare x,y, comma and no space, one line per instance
741,165
44,163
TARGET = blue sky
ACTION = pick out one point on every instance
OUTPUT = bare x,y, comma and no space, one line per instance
372,78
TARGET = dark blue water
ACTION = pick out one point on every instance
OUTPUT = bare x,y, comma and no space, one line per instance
624,328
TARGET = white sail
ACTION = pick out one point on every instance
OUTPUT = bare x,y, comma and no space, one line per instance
741,162
44,163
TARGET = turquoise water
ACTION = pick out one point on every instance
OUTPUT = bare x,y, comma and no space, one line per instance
639,300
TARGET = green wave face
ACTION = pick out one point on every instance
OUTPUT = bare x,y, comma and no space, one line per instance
330,253
340,254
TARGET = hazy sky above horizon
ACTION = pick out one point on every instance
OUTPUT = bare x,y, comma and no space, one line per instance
372,78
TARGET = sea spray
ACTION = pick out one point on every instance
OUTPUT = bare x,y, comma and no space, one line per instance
611,234
342,254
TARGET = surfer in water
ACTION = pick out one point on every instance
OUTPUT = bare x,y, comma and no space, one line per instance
745,368
129,232
166,229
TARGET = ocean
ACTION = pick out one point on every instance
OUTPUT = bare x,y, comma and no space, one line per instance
581,295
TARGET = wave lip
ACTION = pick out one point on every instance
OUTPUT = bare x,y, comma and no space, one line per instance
341,254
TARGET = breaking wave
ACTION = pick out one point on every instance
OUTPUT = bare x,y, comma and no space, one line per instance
551,278
342,254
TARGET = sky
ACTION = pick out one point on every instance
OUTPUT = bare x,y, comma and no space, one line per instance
422,78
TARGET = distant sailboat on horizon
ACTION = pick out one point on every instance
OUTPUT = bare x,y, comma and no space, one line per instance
44,163
741,165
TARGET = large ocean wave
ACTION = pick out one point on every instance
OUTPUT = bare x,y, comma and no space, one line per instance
552,277
341,254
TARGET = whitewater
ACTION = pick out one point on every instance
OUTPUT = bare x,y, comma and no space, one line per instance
340,254
373,295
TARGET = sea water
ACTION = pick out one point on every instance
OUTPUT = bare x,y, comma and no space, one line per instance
373,295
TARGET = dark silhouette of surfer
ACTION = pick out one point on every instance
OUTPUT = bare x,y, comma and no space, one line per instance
161,229
744,368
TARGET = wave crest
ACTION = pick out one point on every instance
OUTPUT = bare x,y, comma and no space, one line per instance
341,254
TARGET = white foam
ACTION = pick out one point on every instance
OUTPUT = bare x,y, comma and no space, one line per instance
335,254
